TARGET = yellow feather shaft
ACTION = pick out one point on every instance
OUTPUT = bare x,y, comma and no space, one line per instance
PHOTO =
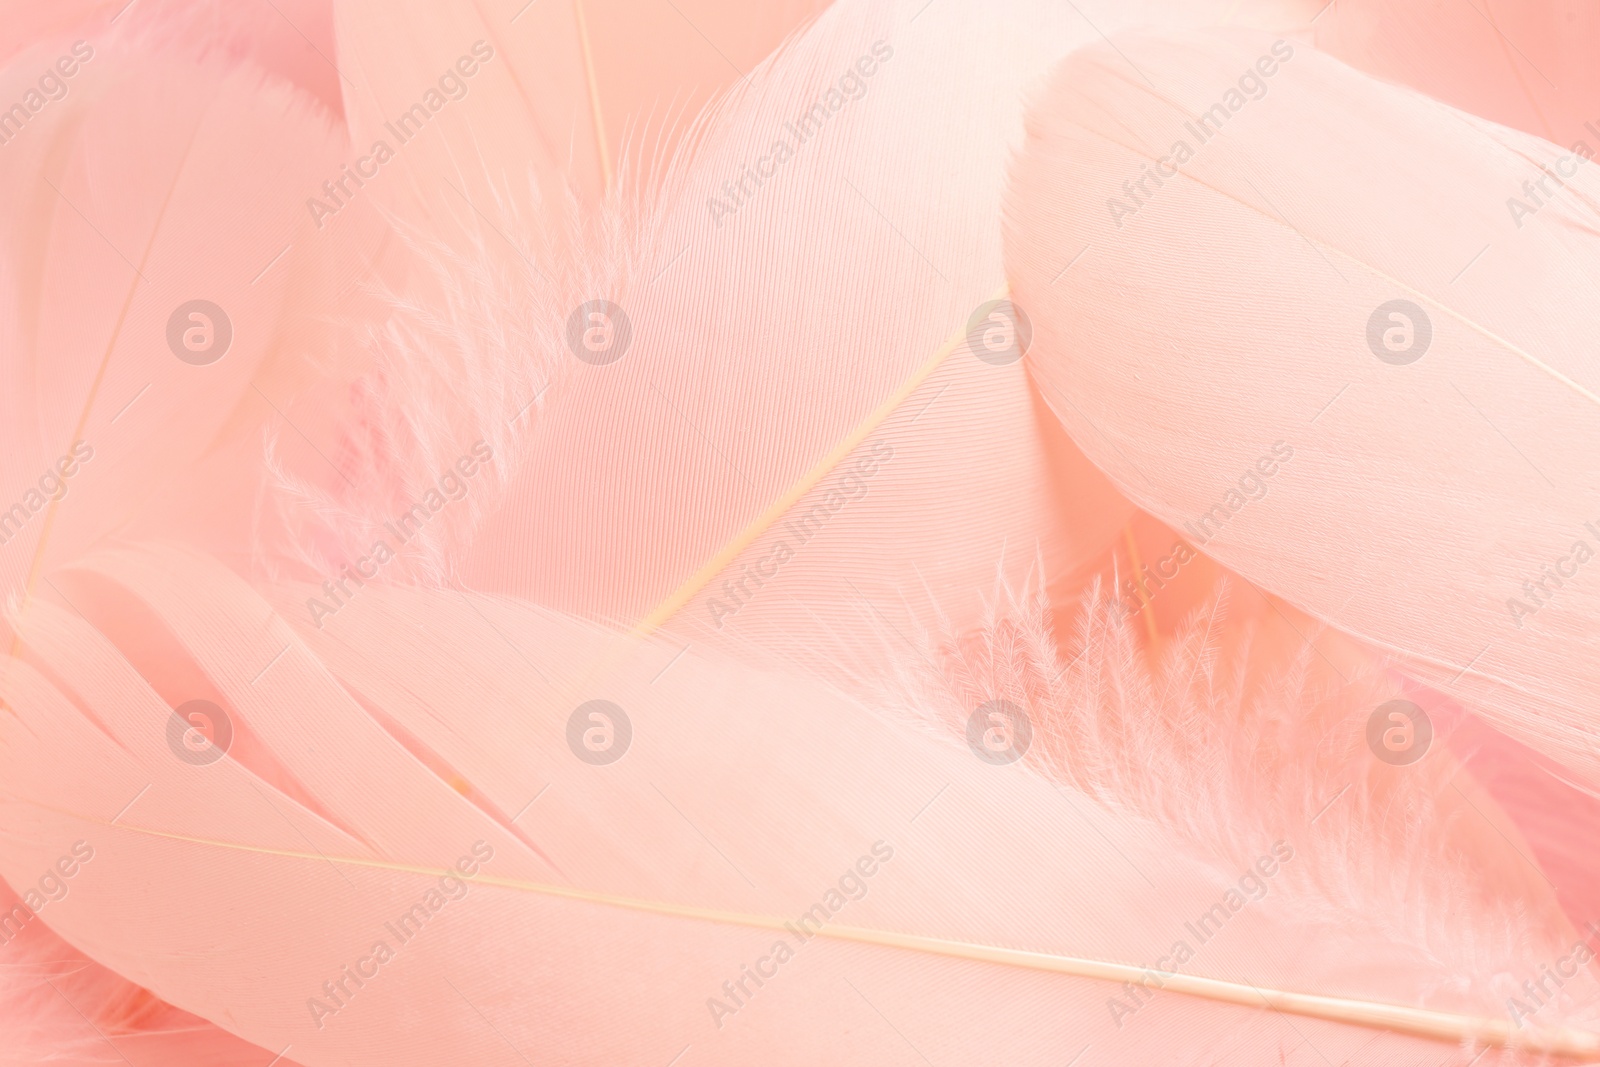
1565,1042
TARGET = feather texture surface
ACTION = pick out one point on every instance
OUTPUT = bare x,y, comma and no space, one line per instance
290,40
633,588
156,273
1410,462
605,887
811,461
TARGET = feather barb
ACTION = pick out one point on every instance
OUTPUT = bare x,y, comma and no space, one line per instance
729,552
1566,1042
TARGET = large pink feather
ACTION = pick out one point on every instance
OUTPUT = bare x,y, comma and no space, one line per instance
235,888
859,529
1394,365
134,204
664,487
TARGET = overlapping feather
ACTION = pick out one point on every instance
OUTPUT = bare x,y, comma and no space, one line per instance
818,331
380,733
1419,489
612,909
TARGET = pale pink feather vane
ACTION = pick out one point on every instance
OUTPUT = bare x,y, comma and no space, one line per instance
598,533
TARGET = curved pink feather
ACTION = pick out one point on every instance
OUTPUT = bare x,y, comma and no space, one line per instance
1231,322
358,769
806,471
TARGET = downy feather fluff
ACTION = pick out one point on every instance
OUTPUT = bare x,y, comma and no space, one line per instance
622,908
1418,474
767,465
371,754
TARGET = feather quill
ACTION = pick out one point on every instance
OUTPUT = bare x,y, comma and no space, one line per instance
1321,347
361,771
778,483
156,271
570,83
417,756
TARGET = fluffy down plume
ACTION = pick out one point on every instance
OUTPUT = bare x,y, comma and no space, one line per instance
370,757
760,665
1319,344
793,443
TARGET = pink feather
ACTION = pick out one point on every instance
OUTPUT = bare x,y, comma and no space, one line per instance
1407,484
367,755
801,540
